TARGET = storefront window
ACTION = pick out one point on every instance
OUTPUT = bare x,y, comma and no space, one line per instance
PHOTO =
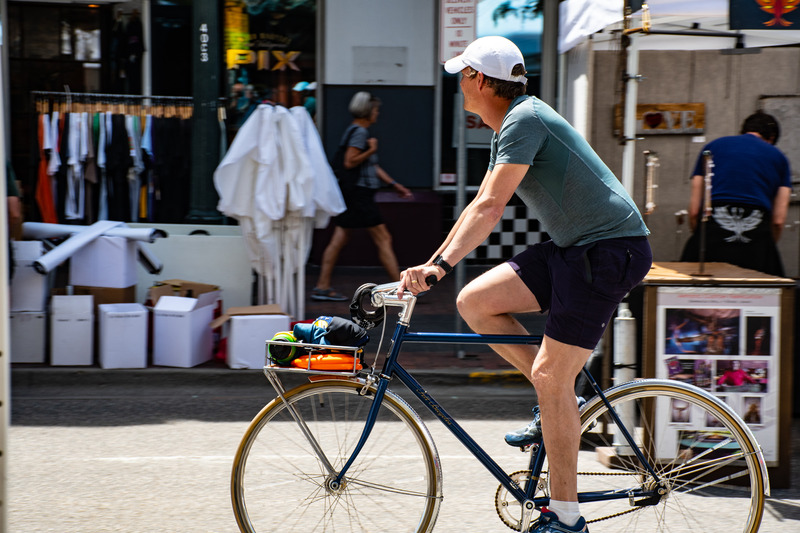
57,46
270,48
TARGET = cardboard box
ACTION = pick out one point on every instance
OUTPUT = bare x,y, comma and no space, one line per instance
28,334
181,333
29,289
107,295
178,287
122,335
250,328
71,330
105,262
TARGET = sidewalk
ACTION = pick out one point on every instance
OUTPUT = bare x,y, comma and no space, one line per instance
435,311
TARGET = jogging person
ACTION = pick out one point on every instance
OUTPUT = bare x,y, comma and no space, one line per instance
598,252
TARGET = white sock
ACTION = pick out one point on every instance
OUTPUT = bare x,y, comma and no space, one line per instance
567,512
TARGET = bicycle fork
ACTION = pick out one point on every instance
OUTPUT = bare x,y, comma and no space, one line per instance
335,478
278,386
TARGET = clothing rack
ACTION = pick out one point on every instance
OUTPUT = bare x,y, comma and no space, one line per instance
136,170
159,106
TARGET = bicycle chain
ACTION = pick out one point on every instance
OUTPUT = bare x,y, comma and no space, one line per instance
544,473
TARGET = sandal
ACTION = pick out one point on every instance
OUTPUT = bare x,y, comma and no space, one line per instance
327,295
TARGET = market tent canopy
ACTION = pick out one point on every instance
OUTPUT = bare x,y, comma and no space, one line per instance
581,18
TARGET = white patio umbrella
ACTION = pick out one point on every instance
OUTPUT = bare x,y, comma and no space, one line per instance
581,18
271,180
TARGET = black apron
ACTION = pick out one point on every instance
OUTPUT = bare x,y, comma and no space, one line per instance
738,234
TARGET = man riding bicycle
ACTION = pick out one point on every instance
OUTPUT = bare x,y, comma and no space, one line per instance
597,253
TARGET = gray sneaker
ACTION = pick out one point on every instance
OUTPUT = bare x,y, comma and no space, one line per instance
548,523
532,433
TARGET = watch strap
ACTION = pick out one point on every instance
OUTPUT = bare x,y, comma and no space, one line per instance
439,261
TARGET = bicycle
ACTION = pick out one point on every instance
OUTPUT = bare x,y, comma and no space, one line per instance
344,453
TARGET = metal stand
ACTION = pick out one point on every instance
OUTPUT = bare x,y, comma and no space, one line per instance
709,167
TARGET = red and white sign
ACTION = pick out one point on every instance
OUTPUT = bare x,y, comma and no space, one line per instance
457,27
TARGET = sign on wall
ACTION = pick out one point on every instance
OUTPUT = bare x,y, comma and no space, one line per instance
666,119
764,14
457,27
727,342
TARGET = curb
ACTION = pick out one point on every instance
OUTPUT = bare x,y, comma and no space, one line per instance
89,376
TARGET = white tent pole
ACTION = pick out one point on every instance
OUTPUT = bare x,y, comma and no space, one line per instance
629,113
5,331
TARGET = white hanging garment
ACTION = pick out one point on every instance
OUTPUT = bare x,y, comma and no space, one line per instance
55,158
73,206
327,196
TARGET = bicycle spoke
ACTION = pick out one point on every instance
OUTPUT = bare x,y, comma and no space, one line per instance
695,467
280,483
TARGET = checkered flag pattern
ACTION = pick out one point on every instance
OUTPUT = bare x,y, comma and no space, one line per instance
515,232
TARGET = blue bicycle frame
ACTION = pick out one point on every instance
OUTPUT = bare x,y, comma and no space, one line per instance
393,369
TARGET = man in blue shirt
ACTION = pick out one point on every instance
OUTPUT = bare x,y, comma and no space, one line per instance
598,252
750,189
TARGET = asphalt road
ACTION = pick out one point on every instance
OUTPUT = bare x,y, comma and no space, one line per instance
151,451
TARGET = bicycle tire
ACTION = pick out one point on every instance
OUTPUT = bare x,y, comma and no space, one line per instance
279,484
719,467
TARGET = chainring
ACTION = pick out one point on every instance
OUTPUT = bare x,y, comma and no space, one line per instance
508,508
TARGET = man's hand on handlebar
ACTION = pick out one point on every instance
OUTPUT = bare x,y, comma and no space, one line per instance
418,279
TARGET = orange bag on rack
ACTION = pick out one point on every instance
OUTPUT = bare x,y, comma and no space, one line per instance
327,361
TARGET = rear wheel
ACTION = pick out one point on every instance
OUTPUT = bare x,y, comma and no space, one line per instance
704,456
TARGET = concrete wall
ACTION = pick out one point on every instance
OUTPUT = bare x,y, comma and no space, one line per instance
732,86
380,42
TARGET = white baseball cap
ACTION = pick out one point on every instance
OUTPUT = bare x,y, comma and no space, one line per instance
495,56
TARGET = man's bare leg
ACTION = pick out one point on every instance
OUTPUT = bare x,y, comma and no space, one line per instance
486,304
554,372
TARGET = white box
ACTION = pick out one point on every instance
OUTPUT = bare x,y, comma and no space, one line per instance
248,336
105,262
28,333
29,289
181,333
122,335
71,330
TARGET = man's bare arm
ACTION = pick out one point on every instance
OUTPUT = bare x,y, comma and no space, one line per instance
780,210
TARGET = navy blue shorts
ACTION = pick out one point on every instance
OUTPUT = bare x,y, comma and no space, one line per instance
581,286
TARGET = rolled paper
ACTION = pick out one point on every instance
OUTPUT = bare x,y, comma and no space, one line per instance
68,248
42,230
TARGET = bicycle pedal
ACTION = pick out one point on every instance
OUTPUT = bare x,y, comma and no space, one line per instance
528,447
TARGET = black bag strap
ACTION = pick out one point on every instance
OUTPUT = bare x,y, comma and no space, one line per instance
338,158
351,130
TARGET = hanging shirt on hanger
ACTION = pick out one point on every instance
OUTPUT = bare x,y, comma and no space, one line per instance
44,189
102,200
74,198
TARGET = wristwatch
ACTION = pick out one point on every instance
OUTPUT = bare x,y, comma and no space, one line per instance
439,261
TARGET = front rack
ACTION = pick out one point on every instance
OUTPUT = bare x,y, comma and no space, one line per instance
313,354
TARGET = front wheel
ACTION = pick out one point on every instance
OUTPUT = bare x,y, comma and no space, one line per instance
279,482
707,462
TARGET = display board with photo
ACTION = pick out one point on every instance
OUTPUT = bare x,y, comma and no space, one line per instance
723,340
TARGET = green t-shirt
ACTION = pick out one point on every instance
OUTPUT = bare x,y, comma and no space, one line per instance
568,188
11,181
